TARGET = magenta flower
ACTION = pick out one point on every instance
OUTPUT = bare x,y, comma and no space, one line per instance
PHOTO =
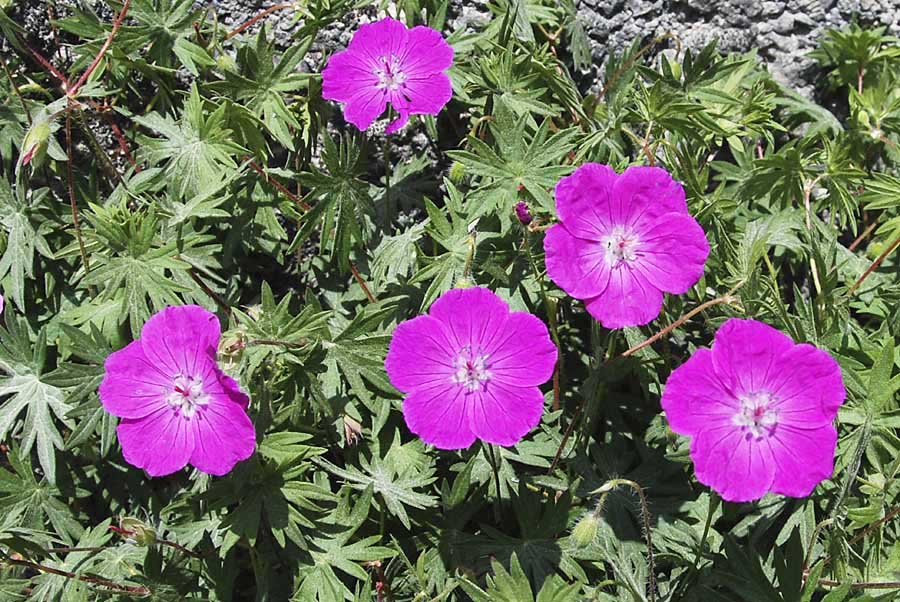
622,241
759,410
177,407
471,369
388,63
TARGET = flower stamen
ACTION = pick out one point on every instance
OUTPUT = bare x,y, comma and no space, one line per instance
471,370
187,396
389,73
756,416
621,246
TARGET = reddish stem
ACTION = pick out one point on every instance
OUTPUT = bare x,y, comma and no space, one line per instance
862,236
115,28
251,21
362,283
131,589
278,185
874,266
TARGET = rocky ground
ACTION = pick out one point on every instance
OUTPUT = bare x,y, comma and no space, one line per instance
781,31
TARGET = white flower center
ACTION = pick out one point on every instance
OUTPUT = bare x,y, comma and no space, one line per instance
756,416
621,245
471,370
389,75
187,395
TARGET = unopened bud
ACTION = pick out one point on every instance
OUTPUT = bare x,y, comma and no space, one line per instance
352,430
34,146
523,213
457,172
231,347
138,531
586,530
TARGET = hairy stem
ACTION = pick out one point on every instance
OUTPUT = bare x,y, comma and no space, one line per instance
250,22
73,91
874,266
362,283
498,500
71,186
551,318
118,587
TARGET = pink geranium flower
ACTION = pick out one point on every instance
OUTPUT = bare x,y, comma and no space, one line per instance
177,407
622,241
471,369
759,410
388,63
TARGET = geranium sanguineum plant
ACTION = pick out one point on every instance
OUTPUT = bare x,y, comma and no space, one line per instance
759,410
176,405
470,370
388,64
622,241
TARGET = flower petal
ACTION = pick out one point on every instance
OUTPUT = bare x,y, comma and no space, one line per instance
576,265
672,253
132,386
803,457
628,300
365,107
746,353
502,414
440,416
583,201
419,355
642,194
224,435
161,443
380,39
346,75
427,53
181,339
525,355
695,399
810,392
471,317
423,95
739,467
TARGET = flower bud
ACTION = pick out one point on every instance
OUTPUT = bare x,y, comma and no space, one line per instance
140,533
457,172
34,145
231,348
523,213
586,530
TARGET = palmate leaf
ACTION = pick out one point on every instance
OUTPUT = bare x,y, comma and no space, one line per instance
198,150
261,84
24,235
356,352
143,269
26,391
518,162
395,478
342,202
330,550
27,502
277,497
513,586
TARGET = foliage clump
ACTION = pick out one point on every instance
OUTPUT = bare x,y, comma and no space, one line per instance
161,159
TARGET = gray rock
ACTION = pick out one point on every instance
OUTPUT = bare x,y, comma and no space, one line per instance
782,31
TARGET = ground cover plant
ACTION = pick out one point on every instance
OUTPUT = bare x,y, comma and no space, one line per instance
429,317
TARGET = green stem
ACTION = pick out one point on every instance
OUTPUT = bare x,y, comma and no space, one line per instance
388,208
713,503
551,318
498,499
